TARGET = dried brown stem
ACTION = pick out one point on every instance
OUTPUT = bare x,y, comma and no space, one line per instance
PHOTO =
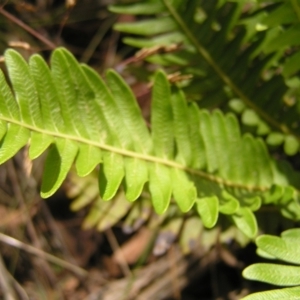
41,254
27,28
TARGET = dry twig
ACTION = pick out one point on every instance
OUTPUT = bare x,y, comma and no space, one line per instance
27,28
41,254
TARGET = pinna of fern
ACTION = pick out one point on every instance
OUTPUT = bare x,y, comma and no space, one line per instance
219,44
191,156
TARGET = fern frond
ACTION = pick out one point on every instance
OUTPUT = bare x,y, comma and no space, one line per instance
215,38
285,248
86,121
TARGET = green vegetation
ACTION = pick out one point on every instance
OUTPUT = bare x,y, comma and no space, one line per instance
223,140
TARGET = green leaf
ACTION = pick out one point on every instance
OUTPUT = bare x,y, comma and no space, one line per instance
63,80
253,203
196,141
181,127
160,185
237,105
84,95
265,174
38,144
9,106
162,39
162,117
264,254
250,118
105,115
273,195
291,145
47,93
25,91
87,159
287,250
245,221
228,204
293,233
3,128
291,210
275,274
58,163
138,8
147,27
184,191
281,294
131,113
111,175
275,138
208,209
15,138
262,128
135,178
237,174
207,135
287,195
219,132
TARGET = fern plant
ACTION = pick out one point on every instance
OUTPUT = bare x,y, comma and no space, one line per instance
192,157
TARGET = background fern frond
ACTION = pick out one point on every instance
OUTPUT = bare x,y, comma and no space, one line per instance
285,248
233,51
